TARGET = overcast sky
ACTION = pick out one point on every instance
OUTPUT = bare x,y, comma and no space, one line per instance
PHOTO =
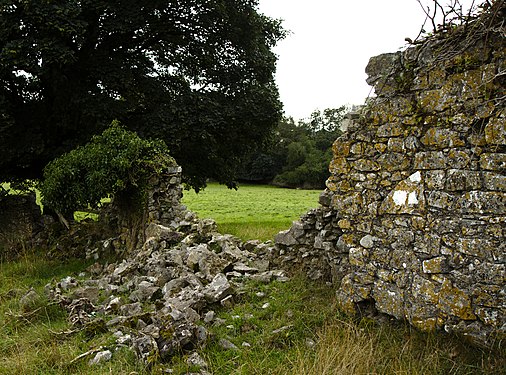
321,63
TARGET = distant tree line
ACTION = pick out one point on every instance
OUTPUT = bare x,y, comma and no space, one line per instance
298,154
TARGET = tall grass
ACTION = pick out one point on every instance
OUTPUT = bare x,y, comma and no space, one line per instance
252,211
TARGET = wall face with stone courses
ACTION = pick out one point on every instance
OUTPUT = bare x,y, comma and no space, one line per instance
415,208
162,206
20,219
164,198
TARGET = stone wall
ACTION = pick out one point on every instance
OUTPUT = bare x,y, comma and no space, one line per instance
20,220
162,205
413,219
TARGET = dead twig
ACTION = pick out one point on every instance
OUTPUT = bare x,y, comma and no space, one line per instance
64,333
23,316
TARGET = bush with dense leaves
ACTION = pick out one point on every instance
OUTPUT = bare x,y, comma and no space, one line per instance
115,161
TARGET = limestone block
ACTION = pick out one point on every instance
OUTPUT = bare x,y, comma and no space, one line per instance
285,238
441,138
390,130
430,160
435,265
396,145
427,243
494,181
424,290
441,200
458,179
345,242
389,299
344,224
490,273
482,202
351,204
339,165
493,162
454,301
366,165
477,247
490,316
435,180
423,317
394,161
358,148
365,135
458,159
379,67
437,100
380,147
341,148
489,295
218,289
358,256
368,241
406,198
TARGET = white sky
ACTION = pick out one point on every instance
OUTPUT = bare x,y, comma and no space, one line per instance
321,63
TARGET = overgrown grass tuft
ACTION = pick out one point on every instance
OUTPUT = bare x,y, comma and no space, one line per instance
32,336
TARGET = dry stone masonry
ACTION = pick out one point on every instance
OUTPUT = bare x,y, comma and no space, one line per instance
413,219
159,298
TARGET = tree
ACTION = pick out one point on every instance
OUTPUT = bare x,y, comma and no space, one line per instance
197,74
298,155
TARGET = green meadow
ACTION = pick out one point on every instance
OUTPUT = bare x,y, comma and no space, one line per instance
252,211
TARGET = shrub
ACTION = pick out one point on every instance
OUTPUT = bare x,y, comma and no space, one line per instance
117,161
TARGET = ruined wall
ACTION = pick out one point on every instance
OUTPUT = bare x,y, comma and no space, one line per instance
414,215
162,205
20,219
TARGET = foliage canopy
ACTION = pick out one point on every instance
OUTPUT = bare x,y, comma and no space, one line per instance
197,74
115,161
298,155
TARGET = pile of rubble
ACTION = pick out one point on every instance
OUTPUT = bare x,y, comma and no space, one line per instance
160,300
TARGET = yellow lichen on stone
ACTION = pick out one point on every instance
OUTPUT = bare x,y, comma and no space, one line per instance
427,324
339,165
454,301
341,148
434,265
495,131
344,224
381,147
442,138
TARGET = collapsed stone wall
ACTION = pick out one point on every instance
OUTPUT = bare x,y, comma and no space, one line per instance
162,205
20,220
414,215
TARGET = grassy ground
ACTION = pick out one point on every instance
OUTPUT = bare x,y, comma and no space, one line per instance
253,211
279,328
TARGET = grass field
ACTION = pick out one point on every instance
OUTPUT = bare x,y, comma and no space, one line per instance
253,211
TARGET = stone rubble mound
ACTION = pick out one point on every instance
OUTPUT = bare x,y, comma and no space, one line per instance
159,300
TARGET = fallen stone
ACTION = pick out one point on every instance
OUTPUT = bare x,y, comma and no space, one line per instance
29,301
100,357
218,289
196,360
227,344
